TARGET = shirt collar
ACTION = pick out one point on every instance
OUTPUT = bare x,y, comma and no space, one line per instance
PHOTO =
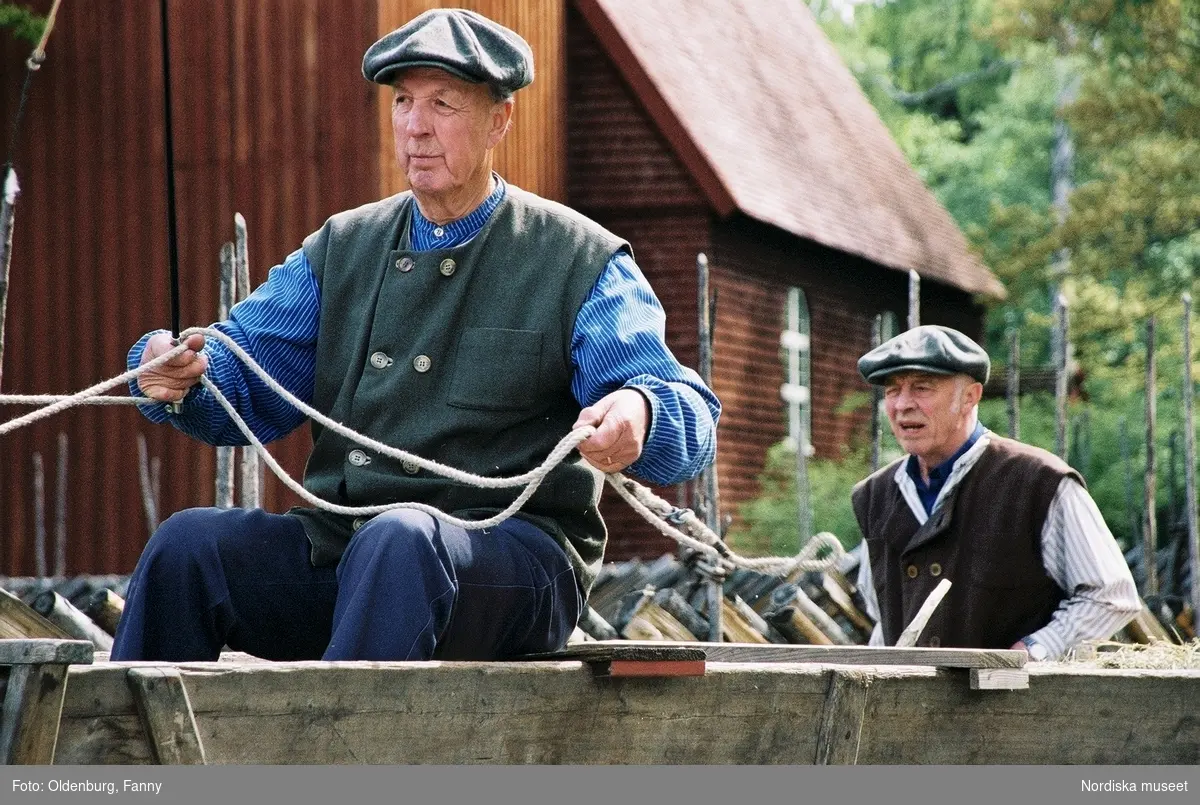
426,235
941,472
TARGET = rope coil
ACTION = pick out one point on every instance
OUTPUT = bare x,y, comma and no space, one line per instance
681,525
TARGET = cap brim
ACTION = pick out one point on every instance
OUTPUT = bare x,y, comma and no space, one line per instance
388,74
877,377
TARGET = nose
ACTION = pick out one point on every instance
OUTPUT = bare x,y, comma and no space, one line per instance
418,121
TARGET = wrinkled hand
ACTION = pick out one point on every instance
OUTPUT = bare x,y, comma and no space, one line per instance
171,381
621,420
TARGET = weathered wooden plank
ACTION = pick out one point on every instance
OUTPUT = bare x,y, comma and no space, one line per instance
1063,718
18,620
842,655
999,679
31,652
29,718
842,719
555,712
166,714
453,713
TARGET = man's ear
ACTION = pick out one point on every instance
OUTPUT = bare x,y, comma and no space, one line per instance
501,119
973,393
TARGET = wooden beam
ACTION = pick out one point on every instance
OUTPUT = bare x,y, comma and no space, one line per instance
745,652
166,715
842,718
29,719
19,620
647,669
999,679
34,652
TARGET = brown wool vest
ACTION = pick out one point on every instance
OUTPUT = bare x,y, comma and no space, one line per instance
985,537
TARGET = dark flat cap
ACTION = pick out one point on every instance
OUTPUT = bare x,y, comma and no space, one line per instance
929,348
461,42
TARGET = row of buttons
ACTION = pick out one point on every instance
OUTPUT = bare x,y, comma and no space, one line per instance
934,570
359,458
381,360
447,266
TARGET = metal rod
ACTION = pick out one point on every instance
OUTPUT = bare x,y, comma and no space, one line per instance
1189,453
8,207
914,299
1062,320
252,473
876,400
710,500
1149,520
1012,390
60,508
224,484
39,516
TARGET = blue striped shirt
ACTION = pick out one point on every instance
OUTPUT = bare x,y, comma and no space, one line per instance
618,342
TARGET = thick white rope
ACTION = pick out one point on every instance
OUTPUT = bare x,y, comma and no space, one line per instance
692,533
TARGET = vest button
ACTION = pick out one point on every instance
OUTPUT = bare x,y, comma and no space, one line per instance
912,571
422,363
358,458
380,360
935,641
411,467
447,267
935,569
405,264
358,523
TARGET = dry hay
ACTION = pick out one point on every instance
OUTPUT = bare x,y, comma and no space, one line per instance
1155,655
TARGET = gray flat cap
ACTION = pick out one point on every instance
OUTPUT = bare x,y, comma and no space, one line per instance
929,348
461,42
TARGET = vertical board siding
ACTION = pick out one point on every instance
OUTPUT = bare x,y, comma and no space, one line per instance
271,118
531,154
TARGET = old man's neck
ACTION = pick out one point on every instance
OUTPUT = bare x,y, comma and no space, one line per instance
442,209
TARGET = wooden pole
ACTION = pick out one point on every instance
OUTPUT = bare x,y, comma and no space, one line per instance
8,206
60,508
252,478
223,488
876,400
1131,512
1060,377
914,299
1149,520
710,500
1189,453
147,485
1012,390
39,516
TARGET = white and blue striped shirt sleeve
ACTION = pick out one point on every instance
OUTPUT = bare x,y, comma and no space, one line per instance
278,325
619,342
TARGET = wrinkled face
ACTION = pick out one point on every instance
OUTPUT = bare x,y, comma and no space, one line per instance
930,414
444,129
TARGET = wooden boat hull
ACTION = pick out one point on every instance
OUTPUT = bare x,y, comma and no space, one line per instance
561,712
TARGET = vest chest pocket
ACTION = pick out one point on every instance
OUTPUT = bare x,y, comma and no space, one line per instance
496,369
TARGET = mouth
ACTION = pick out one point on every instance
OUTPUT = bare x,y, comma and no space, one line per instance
910,428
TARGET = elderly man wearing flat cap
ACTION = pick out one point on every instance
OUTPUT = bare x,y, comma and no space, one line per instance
1031,562
466,321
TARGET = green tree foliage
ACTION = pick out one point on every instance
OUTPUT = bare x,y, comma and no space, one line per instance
971,90
22,22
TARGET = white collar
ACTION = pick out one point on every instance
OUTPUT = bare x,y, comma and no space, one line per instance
908,487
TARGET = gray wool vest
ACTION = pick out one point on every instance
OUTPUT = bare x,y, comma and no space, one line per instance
459,355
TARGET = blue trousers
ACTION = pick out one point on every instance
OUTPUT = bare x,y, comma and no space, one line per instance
408,587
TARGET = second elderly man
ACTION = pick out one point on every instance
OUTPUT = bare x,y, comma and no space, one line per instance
1032,564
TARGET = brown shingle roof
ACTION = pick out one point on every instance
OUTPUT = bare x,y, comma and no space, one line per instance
762,111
